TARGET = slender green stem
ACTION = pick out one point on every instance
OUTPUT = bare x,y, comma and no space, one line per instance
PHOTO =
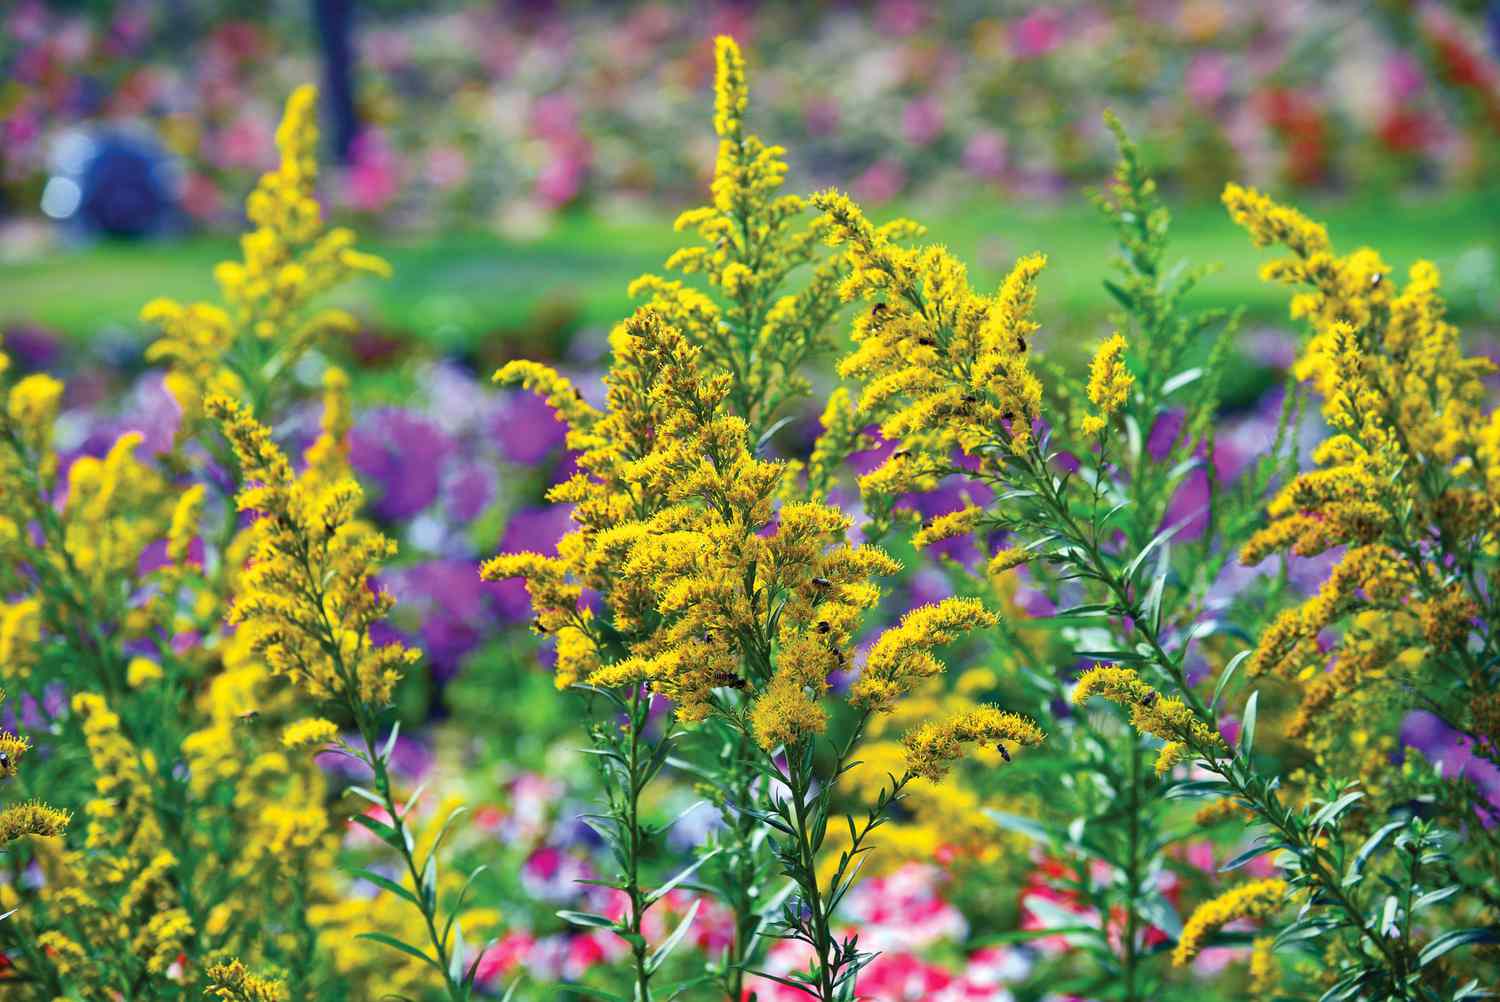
426,897
812,895
634,845
1132,868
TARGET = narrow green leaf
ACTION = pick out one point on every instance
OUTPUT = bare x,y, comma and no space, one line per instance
382,831
660,954
1247,723
682,875
384,882
1450,941
1227,674
406,948
1332,811
588,919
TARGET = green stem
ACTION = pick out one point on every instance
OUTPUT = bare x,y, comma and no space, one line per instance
1132,868
812,895
426,902
633,849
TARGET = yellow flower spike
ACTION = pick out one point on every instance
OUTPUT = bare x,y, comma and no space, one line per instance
287,260
558,391
903,653
949,526
933,747
785,714
34,819
1166,717
1259,899
1109,383
33,404
231,981
12,749
1007,559
312,568
141,672
1269,223
1263,966
731,92
308,733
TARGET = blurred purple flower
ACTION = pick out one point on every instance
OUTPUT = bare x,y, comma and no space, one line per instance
401,453
1454,752
32,348
468,492
528,429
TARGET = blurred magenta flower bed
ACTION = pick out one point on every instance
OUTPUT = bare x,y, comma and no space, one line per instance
831,626
509,113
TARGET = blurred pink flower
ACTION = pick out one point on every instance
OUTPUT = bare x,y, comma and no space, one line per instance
247,144
922,121
820,116
984,155
1207,78
555,117
201,197
561,179
371,182
1037,34
881,181
447,167
1404,75
900,17
500,960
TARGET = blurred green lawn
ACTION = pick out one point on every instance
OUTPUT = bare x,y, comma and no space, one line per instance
460,290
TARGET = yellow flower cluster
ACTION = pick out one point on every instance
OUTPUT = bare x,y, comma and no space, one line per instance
1166,717
758,329
943,368
30,818
932,747
306,600
903,655
230,981
950,526
1109,384
1413,458
288,259
1258,899
705,582
309,733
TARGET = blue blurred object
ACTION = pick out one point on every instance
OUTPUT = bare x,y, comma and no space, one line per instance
112,182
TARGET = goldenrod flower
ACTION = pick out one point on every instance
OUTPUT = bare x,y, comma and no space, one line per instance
943,368
949,526
903,653
932,747
306,599
1166,717
1007,559
1109,383
310,732
33,818
32,405
231,981
1263,966
1258,899
786,714
288,259
142,671
12,748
